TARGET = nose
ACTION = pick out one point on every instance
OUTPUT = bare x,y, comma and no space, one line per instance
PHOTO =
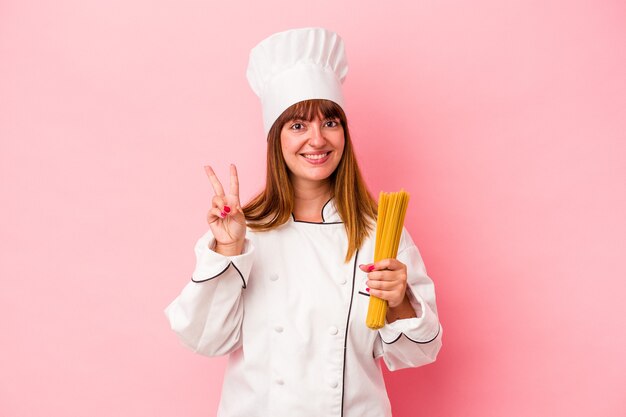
317,137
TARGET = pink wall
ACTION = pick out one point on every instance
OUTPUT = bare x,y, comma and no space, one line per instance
505,121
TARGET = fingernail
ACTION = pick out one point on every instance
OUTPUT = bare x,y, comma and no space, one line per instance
367,289
227,209
223,214
370,268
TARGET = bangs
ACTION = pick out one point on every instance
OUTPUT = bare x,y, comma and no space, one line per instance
306,110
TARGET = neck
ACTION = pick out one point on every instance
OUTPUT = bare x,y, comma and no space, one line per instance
309,199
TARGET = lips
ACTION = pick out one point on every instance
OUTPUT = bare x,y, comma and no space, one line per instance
315,155
316,158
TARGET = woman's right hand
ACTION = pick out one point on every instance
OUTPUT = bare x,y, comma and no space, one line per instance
225,217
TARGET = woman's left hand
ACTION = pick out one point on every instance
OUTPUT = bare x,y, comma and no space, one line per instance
386,279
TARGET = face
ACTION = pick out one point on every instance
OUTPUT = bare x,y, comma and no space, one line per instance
312,149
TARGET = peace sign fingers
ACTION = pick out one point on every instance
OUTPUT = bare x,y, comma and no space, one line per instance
225,217
215,183
234,181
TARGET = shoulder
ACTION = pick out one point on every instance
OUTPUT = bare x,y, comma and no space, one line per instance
259,231
406,241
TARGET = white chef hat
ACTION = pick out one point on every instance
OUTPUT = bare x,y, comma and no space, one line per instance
296,65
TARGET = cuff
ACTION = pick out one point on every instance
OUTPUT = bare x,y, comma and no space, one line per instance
210,264
423,329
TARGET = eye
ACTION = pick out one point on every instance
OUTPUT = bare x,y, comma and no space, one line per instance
331,123
297,126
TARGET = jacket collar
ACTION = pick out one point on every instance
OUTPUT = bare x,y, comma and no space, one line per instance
330,215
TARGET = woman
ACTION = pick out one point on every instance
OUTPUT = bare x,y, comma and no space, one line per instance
282,285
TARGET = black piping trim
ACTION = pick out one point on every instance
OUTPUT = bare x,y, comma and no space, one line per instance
345,340
393,341
323,207
363,293
214,276
422,343
302,221
240,274
414,341
224,270
322,214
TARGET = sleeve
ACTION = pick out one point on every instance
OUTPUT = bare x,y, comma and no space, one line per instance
415,341
208,313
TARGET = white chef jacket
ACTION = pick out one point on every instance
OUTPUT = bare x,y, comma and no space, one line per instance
291,315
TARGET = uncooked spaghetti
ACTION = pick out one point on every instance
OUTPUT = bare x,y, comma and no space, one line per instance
391,212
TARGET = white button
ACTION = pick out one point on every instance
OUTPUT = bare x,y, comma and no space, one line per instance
333,330
279,381
278,329
342,281
333,384
273,277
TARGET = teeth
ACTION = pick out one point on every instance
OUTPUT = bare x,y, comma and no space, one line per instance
317,156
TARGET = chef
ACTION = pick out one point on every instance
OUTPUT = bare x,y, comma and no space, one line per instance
282,284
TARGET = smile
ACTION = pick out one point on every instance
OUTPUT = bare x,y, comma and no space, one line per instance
315,156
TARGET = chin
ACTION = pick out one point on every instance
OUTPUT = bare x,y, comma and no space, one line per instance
319,176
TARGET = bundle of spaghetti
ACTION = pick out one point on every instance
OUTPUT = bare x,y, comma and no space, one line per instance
391,213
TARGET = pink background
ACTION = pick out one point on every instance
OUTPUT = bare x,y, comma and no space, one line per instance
504,120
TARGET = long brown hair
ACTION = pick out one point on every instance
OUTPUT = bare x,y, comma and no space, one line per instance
273,206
